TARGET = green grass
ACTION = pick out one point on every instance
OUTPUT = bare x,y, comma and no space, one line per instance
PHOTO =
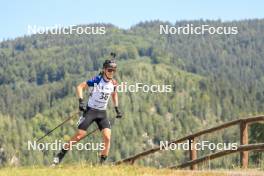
84,169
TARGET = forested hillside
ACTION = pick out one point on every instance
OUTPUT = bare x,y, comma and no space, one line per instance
214,79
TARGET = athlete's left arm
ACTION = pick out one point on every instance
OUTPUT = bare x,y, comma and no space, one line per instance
114,94
115,99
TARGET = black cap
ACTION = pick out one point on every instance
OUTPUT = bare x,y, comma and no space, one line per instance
110,63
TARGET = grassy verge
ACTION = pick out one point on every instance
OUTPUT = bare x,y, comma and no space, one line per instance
82,170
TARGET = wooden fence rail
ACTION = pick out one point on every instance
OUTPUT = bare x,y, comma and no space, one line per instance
220,154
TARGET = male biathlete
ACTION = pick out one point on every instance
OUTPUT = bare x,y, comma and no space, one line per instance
104,86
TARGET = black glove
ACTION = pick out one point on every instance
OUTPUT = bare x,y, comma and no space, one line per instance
118,113
82,105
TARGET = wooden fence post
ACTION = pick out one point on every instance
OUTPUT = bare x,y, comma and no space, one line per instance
193,152
244,141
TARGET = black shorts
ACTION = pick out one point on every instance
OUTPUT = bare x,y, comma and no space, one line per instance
91,115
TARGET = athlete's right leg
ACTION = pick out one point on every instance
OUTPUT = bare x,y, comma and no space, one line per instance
83,123
76,138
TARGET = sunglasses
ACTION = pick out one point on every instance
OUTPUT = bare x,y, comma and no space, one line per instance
110,70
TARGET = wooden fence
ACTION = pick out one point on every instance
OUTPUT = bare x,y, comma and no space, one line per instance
243,148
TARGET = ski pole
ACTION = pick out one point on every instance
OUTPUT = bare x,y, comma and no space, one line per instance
69,118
